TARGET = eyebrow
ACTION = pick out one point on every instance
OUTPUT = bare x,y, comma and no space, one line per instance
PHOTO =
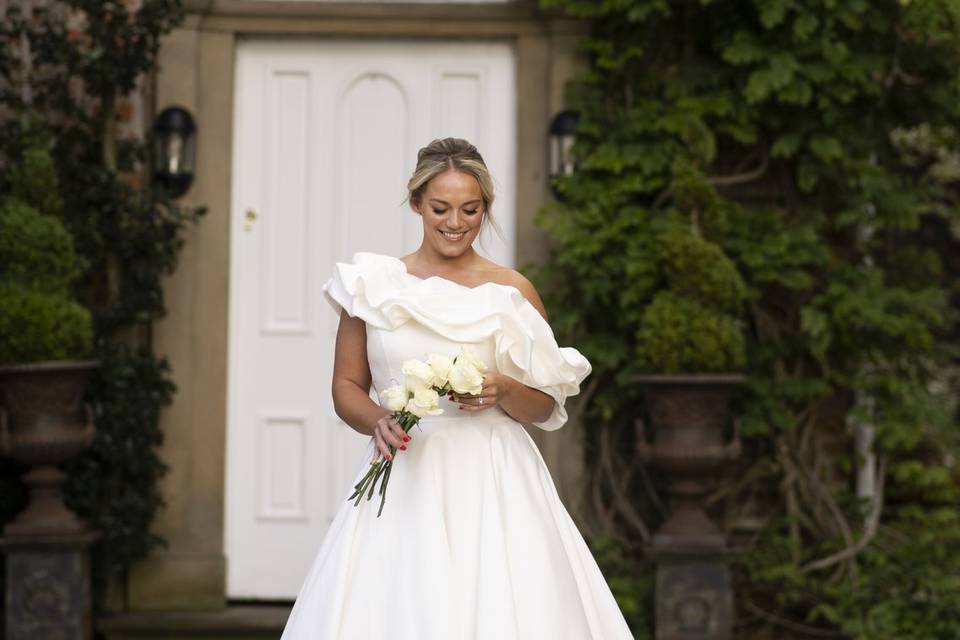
448,204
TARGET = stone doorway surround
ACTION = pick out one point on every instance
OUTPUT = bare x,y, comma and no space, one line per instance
197,72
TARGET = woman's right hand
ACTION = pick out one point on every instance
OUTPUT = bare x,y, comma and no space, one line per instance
388,432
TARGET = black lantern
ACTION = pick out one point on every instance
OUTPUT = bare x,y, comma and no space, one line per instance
174,150
562,130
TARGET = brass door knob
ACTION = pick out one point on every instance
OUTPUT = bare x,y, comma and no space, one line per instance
248,219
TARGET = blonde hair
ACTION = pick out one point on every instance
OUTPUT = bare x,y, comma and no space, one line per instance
442,155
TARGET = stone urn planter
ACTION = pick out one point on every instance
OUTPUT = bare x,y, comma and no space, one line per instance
689,417
43,423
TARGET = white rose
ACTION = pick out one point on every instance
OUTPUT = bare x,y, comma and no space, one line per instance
419,370
467,355
395,398
465,377
414,384
441,366
425,402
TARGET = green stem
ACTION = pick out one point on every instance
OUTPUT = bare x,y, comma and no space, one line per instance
368,483
358,488
386,479
386,466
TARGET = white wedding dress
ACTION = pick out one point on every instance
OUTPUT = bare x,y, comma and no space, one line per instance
473,542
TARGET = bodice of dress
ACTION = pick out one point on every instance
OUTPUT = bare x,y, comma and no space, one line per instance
387,349
408,317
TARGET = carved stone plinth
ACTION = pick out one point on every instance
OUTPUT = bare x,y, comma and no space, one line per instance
48,587
694,596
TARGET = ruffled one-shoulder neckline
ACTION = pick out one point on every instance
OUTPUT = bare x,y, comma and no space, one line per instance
380,290
440,279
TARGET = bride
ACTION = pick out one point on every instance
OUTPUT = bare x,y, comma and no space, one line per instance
473,542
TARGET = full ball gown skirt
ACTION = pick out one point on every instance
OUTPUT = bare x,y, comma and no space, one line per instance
473,542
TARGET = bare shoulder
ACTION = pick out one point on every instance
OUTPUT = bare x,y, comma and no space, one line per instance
516,279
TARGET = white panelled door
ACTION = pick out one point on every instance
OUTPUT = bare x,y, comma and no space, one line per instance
325,137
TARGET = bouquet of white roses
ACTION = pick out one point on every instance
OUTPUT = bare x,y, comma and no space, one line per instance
419,396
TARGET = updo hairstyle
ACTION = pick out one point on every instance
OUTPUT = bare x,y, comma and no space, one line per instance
451,153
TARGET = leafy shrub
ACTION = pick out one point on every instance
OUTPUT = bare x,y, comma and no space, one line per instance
692,324
38,319
39,326
35,250
699,270
33,179
678,334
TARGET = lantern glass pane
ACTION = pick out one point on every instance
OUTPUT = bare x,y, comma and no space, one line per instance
556,155
566,154
175,153
188,160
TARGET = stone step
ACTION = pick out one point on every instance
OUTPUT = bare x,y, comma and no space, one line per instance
235,622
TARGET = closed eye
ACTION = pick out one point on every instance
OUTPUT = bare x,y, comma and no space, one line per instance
467,211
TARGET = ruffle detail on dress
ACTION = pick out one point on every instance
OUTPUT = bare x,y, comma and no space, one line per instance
379,290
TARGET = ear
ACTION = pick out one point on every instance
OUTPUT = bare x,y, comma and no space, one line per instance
415,205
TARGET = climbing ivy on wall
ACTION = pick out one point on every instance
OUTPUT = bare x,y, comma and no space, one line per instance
77,65
816,143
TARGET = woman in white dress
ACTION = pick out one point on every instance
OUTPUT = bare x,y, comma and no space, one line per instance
473,542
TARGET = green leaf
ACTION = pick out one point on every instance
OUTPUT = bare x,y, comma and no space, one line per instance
826,148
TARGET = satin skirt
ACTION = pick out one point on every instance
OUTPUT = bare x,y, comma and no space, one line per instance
473,544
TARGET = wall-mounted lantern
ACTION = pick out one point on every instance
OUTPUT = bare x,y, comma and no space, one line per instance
562,129
174,150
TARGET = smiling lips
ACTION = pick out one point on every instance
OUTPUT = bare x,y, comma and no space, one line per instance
453,237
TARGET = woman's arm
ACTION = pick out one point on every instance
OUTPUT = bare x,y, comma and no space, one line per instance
351,377
523,403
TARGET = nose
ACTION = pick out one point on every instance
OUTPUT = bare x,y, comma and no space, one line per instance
455,218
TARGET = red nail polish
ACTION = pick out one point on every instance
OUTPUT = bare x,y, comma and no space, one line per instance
403,447
406,438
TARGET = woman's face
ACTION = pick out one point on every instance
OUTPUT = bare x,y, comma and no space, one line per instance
452,210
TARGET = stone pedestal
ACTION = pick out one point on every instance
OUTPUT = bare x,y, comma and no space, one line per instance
694,598
48,587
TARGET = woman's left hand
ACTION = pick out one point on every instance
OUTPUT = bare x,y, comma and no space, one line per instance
496,387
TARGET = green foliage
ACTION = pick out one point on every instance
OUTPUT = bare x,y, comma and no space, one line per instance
117,497
33,180
905,585
808,154
35,250
691,325
38,319
39,326
699,270
676,331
